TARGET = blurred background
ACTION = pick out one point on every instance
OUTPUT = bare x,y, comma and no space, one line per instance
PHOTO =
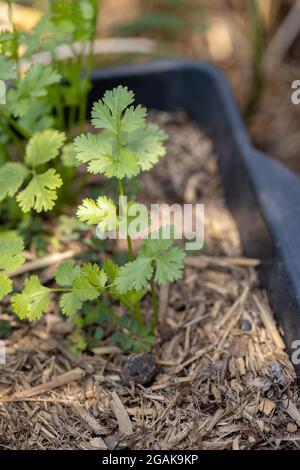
255,42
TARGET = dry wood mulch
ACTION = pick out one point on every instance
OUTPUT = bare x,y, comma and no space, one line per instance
225,381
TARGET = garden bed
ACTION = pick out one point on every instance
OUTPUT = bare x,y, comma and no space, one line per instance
225,380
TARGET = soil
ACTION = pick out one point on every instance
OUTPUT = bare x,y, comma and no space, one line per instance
224,380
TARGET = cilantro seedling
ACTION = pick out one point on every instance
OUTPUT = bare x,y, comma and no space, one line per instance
125,147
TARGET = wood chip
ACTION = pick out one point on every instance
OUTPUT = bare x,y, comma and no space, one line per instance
291,409
269,323
45,261
59,381
122,416
267,407
163,302
90,420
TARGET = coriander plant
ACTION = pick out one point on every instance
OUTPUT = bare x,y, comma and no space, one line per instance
40,93
125,147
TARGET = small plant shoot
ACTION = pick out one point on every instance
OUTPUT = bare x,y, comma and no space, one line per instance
123,146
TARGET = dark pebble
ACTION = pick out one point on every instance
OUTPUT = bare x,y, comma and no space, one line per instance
245,325
141,369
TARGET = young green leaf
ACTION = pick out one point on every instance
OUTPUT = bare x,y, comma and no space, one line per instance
102,212
12,176
68,156
45,37
11,253
39,118
43,147
36,80
96,276
84,290
66,273
169,265
111,269
126,166
159,242
7,68
74,19
90,147
5,285
134,275
134,118
158,255
34,85
70,303
106,113
98,152
40,193
148,145
33,301
86,283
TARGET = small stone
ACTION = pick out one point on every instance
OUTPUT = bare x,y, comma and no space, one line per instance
140,369
292,427
245,325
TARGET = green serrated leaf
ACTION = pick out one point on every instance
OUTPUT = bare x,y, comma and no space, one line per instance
7,68
36,80
68,156
125,342
12,176
96,276
45,37
66,273
134,118
89,147
158,254
148,145
145,330
6,285
102,212
111,269
43,147
33,301
84,290
6,36
160,241
134,275
40,194
169,266
126,166
11,253
33,85
106,113
137,346
39,118
70,303
96,150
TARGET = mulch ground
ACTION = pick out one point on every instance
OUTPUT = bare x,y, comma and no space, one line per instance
225,381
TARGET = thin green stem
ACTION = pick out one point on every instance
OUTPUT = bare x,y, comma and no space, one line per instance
71,117
122,196
59,98
154,303
130,249
15,125
257,43
89,67
17,141
15,41
129,241
138,315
